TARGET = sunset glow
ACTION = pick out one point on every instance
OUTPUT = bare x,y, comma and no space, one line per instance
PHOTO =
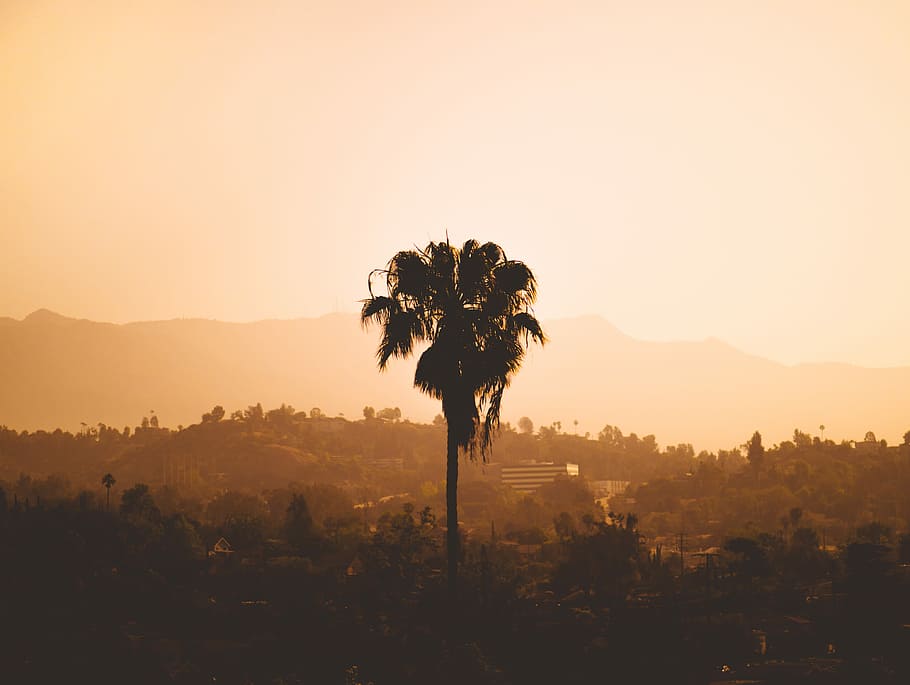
686,170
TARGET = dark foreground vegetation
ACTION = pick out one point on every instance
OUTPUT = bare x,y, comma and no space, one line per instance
282,547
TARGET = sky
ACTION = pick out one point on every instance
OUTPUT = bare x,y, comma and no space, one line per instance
736,170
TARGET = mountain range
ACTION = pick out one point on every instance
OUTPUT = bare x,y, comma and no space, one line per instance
60,372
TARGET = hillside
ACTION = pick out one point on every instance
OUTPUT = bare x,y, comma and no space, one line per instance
56,371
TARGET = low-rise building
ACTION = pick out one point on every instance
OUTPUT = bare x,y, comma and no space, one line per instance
530,476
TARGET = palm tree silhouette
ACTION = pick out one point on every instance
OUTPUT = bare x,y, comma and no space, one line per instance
472,305
107,480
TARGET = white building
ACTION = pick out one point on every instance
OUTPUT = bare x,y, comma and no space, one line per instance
528,477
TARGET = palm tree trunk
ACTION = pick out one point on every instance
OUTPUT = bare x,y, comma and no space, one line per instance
452,540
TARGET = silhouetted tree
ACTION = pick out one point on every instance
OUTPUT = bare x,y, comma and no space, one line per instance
230,503
473,306
180,544
603,561
244,531
397,549
107,480
214,416
389,414
254,414
137,504
298,526
804,561
525,425
755,452
750,560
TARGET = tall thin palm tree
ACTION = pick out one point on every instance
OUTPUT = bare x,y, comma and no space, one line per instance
473,306
107,480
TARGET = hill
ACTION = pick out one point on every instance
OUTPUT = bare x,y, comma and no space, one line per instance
59,372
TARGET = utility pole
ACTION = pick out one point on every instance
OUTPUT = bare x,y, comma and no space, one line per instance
708,557
682,555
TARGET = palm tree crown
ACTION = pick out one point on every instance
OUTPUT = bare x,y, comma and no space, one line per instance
107,480
473,307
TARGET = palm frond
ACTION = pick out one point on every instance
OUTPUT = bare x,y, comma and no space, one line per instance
491,421
515,278
376,310
530,326
493,253
434,374
408,275
400,331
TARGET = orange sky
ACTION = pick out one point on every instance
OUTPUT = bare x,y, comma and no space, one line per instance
685,169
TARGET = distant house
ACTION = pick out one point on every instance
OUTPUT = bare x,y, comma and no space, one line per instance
609,488
528,477
869,445
222,548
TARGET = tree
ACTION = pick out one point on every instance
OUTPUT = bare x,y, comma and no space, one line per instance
755,451
232,503
254,414
472,305
389,414
107,480
138,505
525,425
397,552
603,561
298,523
214,416
180,547
749,559
369,413
801,440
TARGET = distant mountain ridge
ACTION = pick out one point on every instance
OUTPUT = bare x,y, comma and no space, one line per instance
57,371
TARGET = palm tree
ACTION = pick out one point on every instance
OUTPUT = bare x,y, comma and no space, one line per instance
107,480
472,305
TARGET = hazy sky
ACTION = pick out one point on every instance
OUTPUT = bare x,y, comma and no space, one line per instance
686,169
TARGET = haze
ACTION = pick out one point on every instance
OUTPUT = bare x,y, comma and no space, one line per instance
685,170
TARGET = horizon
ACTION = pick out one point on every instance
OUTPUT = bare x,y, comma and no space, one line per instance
575,317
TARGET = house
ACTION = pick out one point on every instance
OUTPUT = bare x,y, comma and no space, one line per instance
222,548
